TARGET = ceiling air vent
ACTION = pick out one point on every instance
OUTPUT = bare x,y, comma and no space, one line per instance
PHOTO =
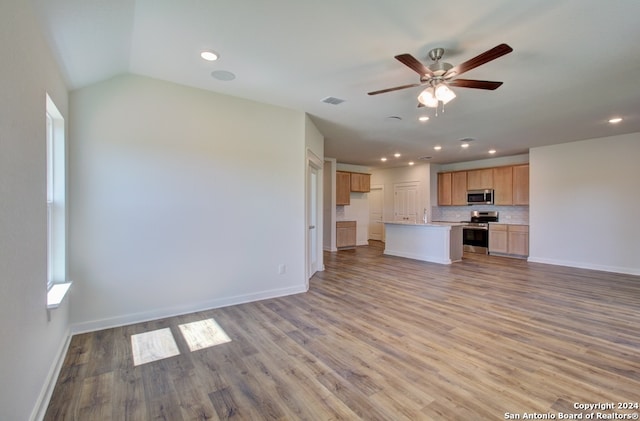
332,100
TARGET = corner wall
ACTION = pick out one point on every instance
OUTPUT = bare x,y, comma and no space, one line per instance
182,199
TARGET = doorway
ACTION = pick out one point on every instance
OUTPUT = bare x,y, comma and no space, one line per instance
313,212
376,213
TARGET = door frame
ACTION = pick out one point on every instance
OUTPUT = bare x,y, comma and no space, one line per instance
379,187
313,164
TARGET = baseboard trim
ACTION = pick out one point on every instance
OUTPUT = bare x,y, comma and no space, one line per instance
95,325
583,265
44,397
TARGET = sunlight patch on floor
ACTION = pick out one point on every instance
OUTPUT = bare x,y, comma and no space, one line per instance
203,334
153,346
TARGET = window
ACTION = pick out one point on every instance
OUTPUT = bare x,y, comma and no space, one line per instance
56,207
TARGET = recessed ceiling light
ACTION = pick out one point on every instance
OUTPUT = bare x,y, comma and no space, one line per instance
383,159
423,118
209,55
437,147
464,145
492,151
615,120
397,155
411,163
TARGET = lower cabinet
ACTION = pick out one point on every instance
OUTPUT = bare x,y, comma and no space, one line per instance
509,239
345,234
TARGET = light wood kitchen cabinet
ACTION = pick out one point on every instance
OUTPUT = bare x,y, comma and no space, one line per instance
459,188
452,188
480,179
345,234
521,184
518,240
444,189
498,238
509,239
503,185
343,188
360,182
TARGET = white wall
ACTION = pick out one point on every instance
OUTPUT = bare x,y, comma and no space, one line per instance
182,199
32,345
314,141
329,205
391,176
584,204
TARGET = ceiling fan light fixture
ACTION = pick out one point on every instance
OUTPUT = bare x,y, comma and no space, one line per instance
444,94
428,98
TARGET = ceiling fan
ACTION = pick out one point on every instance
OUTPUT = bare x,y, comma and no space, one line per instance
438,76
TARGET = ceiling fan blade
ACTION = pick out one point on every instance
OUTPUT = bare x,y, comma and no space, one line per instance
397,88
477,84
487,56
414,64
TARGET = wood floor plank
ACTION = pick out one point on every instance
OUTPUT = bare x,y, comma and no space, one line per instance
380,337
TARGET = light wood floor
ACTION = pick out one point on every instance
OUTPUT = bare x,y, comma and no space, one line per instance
381,338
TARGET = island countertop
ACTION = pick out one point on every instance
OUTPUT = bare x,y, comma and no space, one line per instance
428,224
438,242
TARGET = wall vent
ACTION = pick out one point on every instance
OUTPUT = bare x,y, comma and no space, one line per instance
332,100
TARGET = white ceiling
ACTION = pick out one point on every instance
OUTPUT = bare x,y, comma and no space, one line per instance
575,64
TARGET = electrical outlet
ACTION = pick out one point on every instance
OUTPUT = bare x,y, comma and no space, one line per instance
282,269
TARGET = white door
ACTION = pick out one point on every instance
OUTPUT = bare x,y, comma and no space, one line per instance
376,206
405,203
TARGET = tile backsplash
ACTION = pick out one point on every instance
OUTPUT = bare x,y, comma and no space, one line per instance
507,214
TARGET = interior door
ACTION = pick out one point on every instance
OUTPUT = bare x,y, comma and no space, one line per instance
406,199
376,206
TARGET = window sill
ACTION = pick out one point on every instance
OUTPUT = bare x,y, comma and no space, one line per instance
56,294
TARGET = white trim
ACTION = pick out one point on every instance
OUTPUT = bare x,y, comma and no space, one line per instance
146,316
583,265
42,403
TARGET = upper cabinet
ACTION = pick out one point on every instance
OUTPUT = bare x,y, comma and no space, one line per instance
503,186
480,179
343,188
510,185
347,182
444,189
360,182
452,188
459,188
521,184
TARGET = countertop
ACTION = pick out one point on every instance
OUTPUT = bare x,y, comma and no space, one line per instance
428,224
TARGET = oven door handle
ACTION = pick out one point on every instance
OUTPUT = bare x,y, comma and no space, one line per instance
476,228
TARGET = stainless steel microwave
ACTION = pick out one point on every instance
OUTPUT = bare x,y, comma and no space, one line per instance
480,197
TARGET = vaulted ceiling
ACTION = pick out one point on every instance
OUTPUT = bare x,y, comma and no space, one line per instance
575,65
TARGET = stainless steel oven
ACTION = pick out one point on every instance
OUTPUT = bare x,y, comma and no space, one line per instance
475,235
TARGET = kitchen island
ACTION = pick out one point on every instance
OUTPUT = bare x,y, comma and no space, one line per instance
438,242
